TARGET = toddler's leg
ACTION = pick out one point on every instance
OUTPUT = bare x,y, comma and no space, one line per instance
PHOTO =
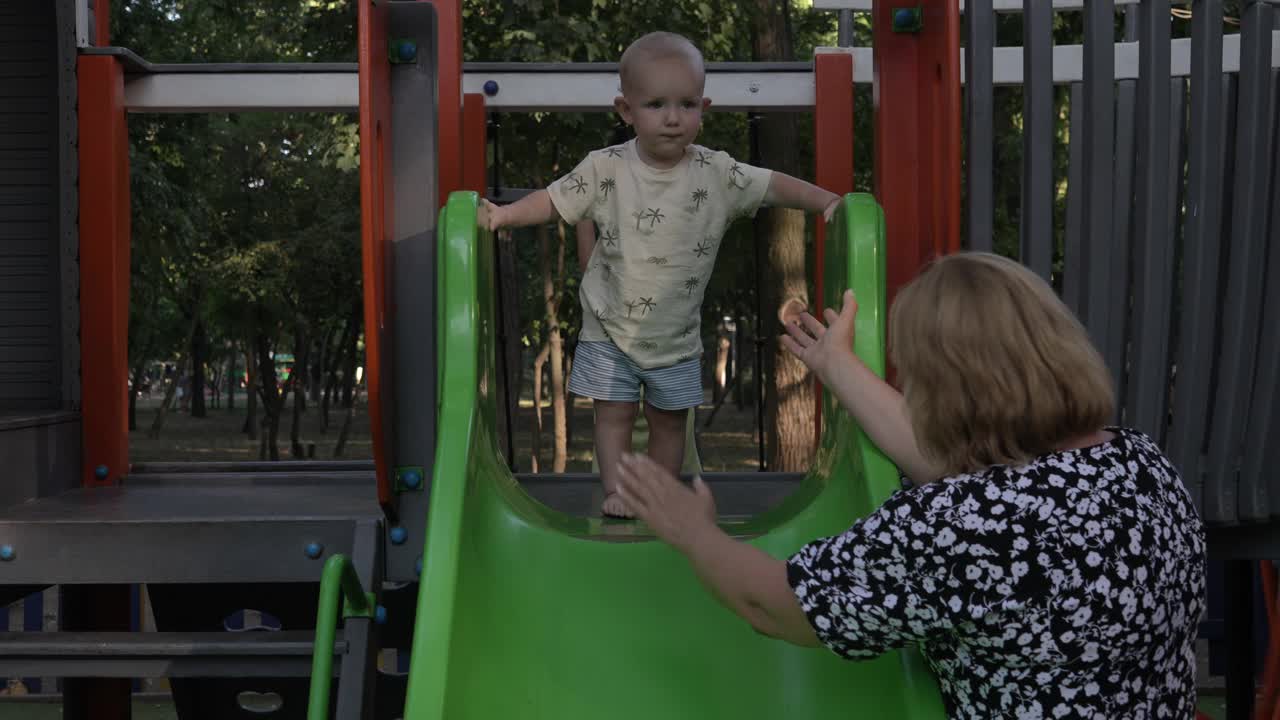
614,423
666,436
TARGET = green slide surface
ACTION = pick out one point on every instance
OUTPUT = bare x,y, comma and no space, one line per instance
525,612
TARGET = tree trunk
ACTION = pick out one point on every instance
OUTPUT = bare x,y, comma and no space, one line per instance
297,379
341,446
789,392
139,372
250,427
199,353
741,362
551,296
232,379
321,366
215,385
272,399
157,422
538,363
349,366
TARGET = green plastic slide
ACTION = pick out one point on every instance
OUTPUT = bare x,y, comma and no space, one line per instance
525,612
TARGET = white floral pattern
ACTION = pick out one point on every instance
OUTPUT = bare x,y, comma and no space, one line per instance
1070,587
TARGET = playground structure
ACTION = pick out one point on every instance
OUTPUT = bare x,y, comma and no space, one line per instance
1167,268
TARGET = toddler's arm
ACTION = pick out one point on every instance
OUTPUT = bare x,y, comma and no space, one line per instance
789,192
532,209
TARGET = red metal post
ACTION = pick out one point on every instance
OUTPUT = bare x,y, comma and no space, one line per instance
474,139
104,357
449,150
104,270
833,161
376,222
917,134
102,22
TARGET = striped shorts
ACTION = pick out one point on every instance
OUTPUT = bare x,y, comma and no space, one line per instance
601,371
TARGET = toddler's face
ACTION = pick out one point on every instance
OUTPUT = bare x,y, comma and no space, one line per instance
664,104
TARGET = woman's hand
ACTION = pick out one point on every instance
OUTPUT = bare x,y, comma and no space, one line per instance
821,347
678,515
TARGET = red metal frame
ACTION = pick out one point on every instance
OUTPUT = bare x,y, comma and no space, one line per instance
102,22
917,135
474,139
376,222
104,269
449,151
833,161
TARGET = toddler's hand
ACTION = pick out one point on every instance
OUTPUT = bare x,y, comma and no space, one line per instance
817,344
831,210
490,216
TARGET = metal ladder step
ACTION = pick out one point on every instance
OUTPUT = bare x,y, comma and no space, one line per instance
160,654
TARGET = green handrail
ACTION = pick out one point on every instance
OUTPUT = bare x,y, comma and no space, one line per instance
339,576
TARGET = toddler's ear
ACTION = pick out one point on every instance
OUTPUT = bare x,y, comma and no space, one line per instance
706,104
623,108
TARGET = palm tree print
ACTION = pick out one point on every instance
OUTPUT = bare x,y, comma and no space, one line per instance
607,185
691,284
647,345
655,260
699,197
630,305
703,159
704,248
615,152
638,215
610,237
607,270
736,176
688,330
653,215
577,183
646,305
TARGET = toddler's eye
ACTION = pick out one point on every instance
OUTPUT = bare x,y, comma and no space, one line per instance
655,104
689,104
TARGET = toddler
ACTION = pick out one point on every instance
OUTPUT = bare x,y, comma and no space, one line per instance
661,204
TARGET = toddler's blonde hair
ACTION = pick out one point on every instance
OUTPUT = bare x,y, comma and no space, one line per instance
994,367
658,46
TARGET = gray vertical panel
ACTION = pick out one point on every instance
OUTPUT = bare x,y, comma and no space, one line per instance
1099,183
1153,246
413,154
1073,252
844,29
1037,138
1240,309
1197,304
1119,296
1261,452
980,22
68,207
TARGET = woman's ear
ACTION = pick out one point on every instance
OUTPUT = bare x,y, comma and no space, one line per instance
623,108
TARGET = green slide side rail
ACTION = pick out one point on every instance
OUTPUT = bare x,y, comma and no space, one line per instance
525,612
338,582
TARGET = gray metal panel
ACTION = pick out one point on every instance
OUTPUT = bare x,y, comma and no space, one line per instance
1118,295
40,454
68,257
1261,451
1145,406
980,24
359,664
1037,140
414,191
1073,246
1240,309
189,534
159,654
34,95
1098,136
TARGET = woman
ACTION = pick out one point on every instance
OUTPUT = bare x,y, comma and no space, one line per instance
1046,565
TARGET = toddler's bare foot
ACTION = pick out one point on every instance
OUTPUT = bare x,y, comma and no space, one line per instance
614,507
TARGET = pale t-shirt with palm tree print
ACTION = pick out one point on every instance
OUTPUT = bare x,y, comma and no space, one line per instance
658,235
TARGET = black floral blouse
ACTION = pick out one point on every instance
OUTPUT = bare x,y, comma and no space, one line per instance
1070,587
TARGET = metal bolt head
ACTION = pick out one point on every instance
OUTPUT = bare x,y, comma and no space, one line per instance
412,479
407,50
314,550
101,472
7,553
417,566
490,87
754,87
399,535
380,615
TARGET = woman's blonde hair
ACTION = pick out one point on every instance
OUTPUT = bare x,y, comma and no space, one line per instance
994,367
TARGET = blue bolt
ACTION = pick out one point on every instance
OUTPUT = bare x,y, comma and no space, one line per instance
101,472
412,479
904,18
490,87
314,550
417,566
7,553
407,49
399,535
380,615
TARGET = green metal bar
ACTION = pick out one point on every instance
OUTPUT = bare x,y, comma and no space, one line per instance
339,581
